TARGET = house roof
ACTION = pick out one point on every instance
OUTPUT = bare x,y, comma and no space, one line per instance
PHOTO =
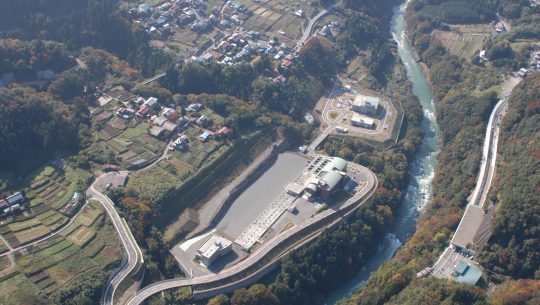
159,121
156,131
170,126
15,198
224,130
3,203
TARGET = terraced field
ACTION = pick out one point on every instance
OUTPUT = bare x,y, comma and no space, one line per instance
53,197
89,244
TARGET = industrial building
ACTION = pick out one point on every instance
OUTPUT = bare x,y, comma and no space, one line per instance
327,179
363,121
467,274
214,248
331,175
366,104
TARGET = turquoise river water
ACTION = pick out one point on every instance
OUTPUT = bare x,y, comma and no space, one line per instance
421,172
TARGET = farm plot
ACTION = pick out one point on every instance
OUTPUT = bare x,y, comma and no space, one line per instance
275,18
89,246
134,146
464,40
48,191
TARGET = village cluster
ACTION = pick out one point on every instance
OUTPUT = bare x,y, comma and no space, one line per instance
233,42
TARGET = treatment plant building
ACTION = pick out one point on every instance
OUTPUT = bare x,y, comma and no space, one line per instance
215,247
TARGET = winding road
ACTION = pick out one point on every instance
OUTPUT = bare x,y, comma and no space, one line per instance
134,254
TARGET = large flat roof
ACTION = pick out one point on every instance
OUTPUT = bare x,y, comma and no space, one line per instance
362,118
337,163
468,275
365,100
213,245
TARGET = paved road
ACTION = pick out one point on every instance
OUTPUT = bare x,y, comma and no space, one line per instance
309,29
130,246
265,248
151,79
474,216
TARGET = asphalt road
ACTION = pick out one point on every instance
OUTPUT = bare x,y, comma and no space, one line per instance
471,221
309,29
130,246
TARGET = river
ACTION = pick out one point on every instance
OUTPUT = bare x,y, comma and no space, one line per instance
421,172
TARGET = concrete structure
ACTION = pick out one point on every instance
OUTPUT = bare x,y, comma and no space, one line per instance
363,121
366,104
467,274
294,189
215,247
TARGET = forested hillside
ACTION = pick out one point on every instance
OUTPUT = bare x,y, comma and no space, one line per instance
34,126
24,57
464,97
514,247
99,24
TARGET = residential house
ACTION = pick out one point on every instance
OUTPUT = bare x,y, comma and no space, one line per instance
203,121
194,107
152,103
205,136
16,198
143,111
286,63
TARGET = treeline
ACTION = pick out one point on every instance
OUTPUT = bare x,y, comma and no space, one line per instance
247,82
514,247
34,126
24,57
456,11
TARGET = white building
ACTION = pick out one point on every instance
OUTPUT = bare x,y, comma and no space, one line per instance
366,104
363,121
215,247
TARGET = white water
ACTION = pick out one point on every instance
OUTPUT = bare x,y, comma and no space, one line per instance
421,172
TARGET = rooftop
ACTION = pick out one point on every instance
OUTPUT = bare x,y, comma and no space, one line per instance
362,118
366,101
213,245
467,274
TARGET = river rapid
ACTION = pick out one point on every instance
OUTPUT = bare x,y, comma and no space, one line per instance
421,172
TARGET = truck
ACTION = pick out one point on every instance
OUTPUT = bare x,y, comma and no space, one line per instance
342,129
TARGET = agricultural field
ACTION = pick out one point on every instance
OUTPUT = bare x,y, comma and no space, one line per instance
275,18
3,247
134,145
157,180
52,197
464,40
89,244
